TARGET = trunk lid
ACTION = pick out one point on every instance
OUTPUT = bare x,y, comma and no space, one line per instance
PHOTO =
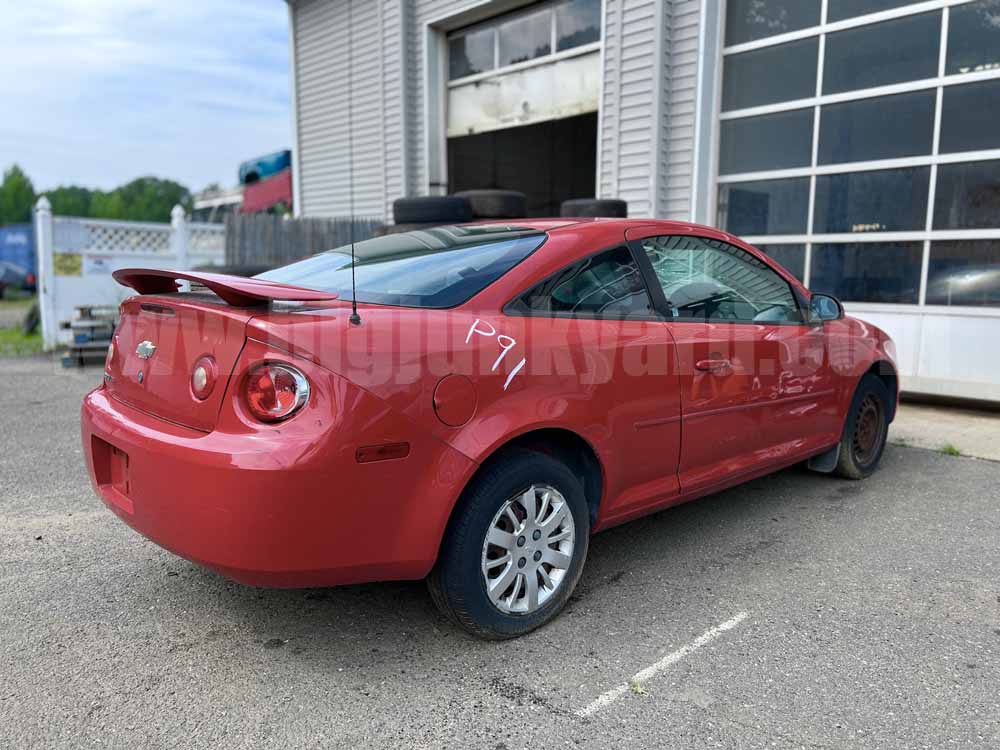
162,334
157,343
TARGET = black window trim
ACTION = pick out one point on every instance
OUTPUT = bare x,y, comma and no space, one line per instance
657,315
661,304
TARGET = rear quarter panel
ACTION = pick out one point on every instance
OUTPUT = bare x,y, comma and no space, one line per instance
607,381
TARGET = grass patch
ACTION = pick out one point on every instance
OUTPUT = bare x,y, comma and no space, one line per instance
13,343
15,299
950,450
636,687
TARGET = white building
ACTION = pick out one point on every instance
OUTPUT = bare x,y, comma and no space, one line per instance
855,140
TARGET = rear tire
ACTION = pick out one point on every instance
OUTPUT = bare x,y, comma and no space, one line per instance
865,430
486,588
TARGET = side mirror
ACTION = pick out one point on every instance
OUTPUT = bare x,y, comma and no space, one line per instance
823,307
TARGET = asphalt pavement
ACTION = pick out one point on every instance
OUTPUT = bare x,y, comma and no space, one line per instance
795,611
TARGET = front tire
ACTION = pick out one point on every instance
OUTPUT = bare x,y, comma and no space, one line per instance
514,548
865,431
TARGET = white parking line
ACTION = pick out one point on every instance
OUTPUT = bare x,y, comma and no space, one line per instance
606,699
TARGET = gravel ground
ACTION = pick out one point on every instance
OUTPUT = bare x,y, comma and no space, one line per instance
872,620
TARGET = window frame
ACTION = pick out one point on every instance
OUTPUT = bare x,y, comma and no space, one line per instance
667,310
940,83
494,24
657,315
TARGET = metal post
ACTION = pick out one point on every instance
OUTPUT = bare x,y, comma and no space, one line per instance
179,238
46,290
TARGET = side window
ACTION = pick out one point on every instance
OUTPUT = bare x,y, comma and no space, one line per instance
710,280
606,285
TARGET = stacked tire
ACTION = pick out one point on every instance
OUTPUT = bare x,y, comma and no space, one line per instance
424,212
428,211
593,207
496,204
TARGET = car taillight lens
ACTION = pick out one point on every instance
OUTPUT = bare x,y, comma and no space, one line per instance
275,392
203,377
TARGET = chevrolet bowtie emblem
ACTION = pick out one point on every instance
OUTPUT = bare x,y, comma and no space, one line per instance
145,349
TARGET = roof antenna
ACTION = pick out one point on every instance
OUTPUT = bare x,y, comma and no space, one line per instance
355,318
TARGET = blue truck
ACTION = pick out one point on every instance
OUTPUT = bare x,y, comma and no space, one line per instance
17,255
264,166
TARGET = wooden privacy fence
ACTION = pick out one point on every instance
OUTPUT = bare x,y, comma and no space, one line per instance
269,240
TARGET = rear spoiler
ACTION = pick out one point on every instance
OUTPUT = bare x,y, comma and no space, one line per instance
235,290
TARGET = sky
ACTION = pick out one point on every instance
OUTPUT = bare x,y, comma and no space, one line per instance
98,92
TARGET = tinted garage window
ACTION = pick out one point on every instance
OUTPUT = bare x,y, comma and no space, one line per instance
887,127
890,200
868,271
777,141
747,20
769,75
769,165
765,207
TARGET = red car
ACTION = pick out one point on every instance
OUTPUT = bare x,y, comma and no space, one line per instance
501,393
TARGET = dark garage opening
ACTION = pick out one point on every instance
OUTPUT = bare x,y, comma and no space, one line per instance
549,162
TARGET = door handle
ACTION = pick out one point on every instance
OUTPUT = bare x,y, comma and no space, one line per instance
713,365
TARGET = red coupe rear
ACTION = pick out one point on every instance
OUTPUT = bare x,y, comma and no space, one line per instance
508,391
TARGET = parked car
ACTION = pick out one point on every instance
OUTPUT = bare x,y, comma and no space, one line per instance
15,277
263,167
501,393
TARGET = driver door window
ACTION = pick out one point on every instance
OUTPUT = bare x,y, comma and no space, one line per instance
709,280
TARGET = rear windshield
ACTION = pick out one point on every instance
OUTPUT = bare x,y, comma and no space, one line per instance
439,267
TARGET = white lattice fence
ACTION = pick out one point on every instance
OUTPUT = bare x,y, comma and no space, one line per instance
77,256
207,239
102,237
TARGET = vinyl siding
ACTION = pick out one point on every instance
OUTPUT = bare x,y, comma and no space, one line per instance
647,114
680,90
365,159
420,13
627,134
648,107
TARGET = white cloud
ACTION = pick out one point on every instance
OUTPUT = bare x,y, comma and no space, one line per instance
96,92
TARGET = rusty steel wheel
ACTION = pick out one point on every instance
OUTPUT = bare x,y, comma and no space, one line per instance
868,429
865,430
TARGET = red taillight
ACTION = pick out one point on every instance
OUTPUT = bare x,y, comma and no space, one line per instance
203,377
275,392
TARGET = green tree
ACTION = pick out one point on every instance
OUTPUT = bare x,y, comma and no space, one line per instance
108,205
152,199
70,201
17,197
143,199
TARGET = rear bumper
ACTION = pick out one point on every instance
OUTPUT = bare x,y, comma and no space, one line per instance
276,507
